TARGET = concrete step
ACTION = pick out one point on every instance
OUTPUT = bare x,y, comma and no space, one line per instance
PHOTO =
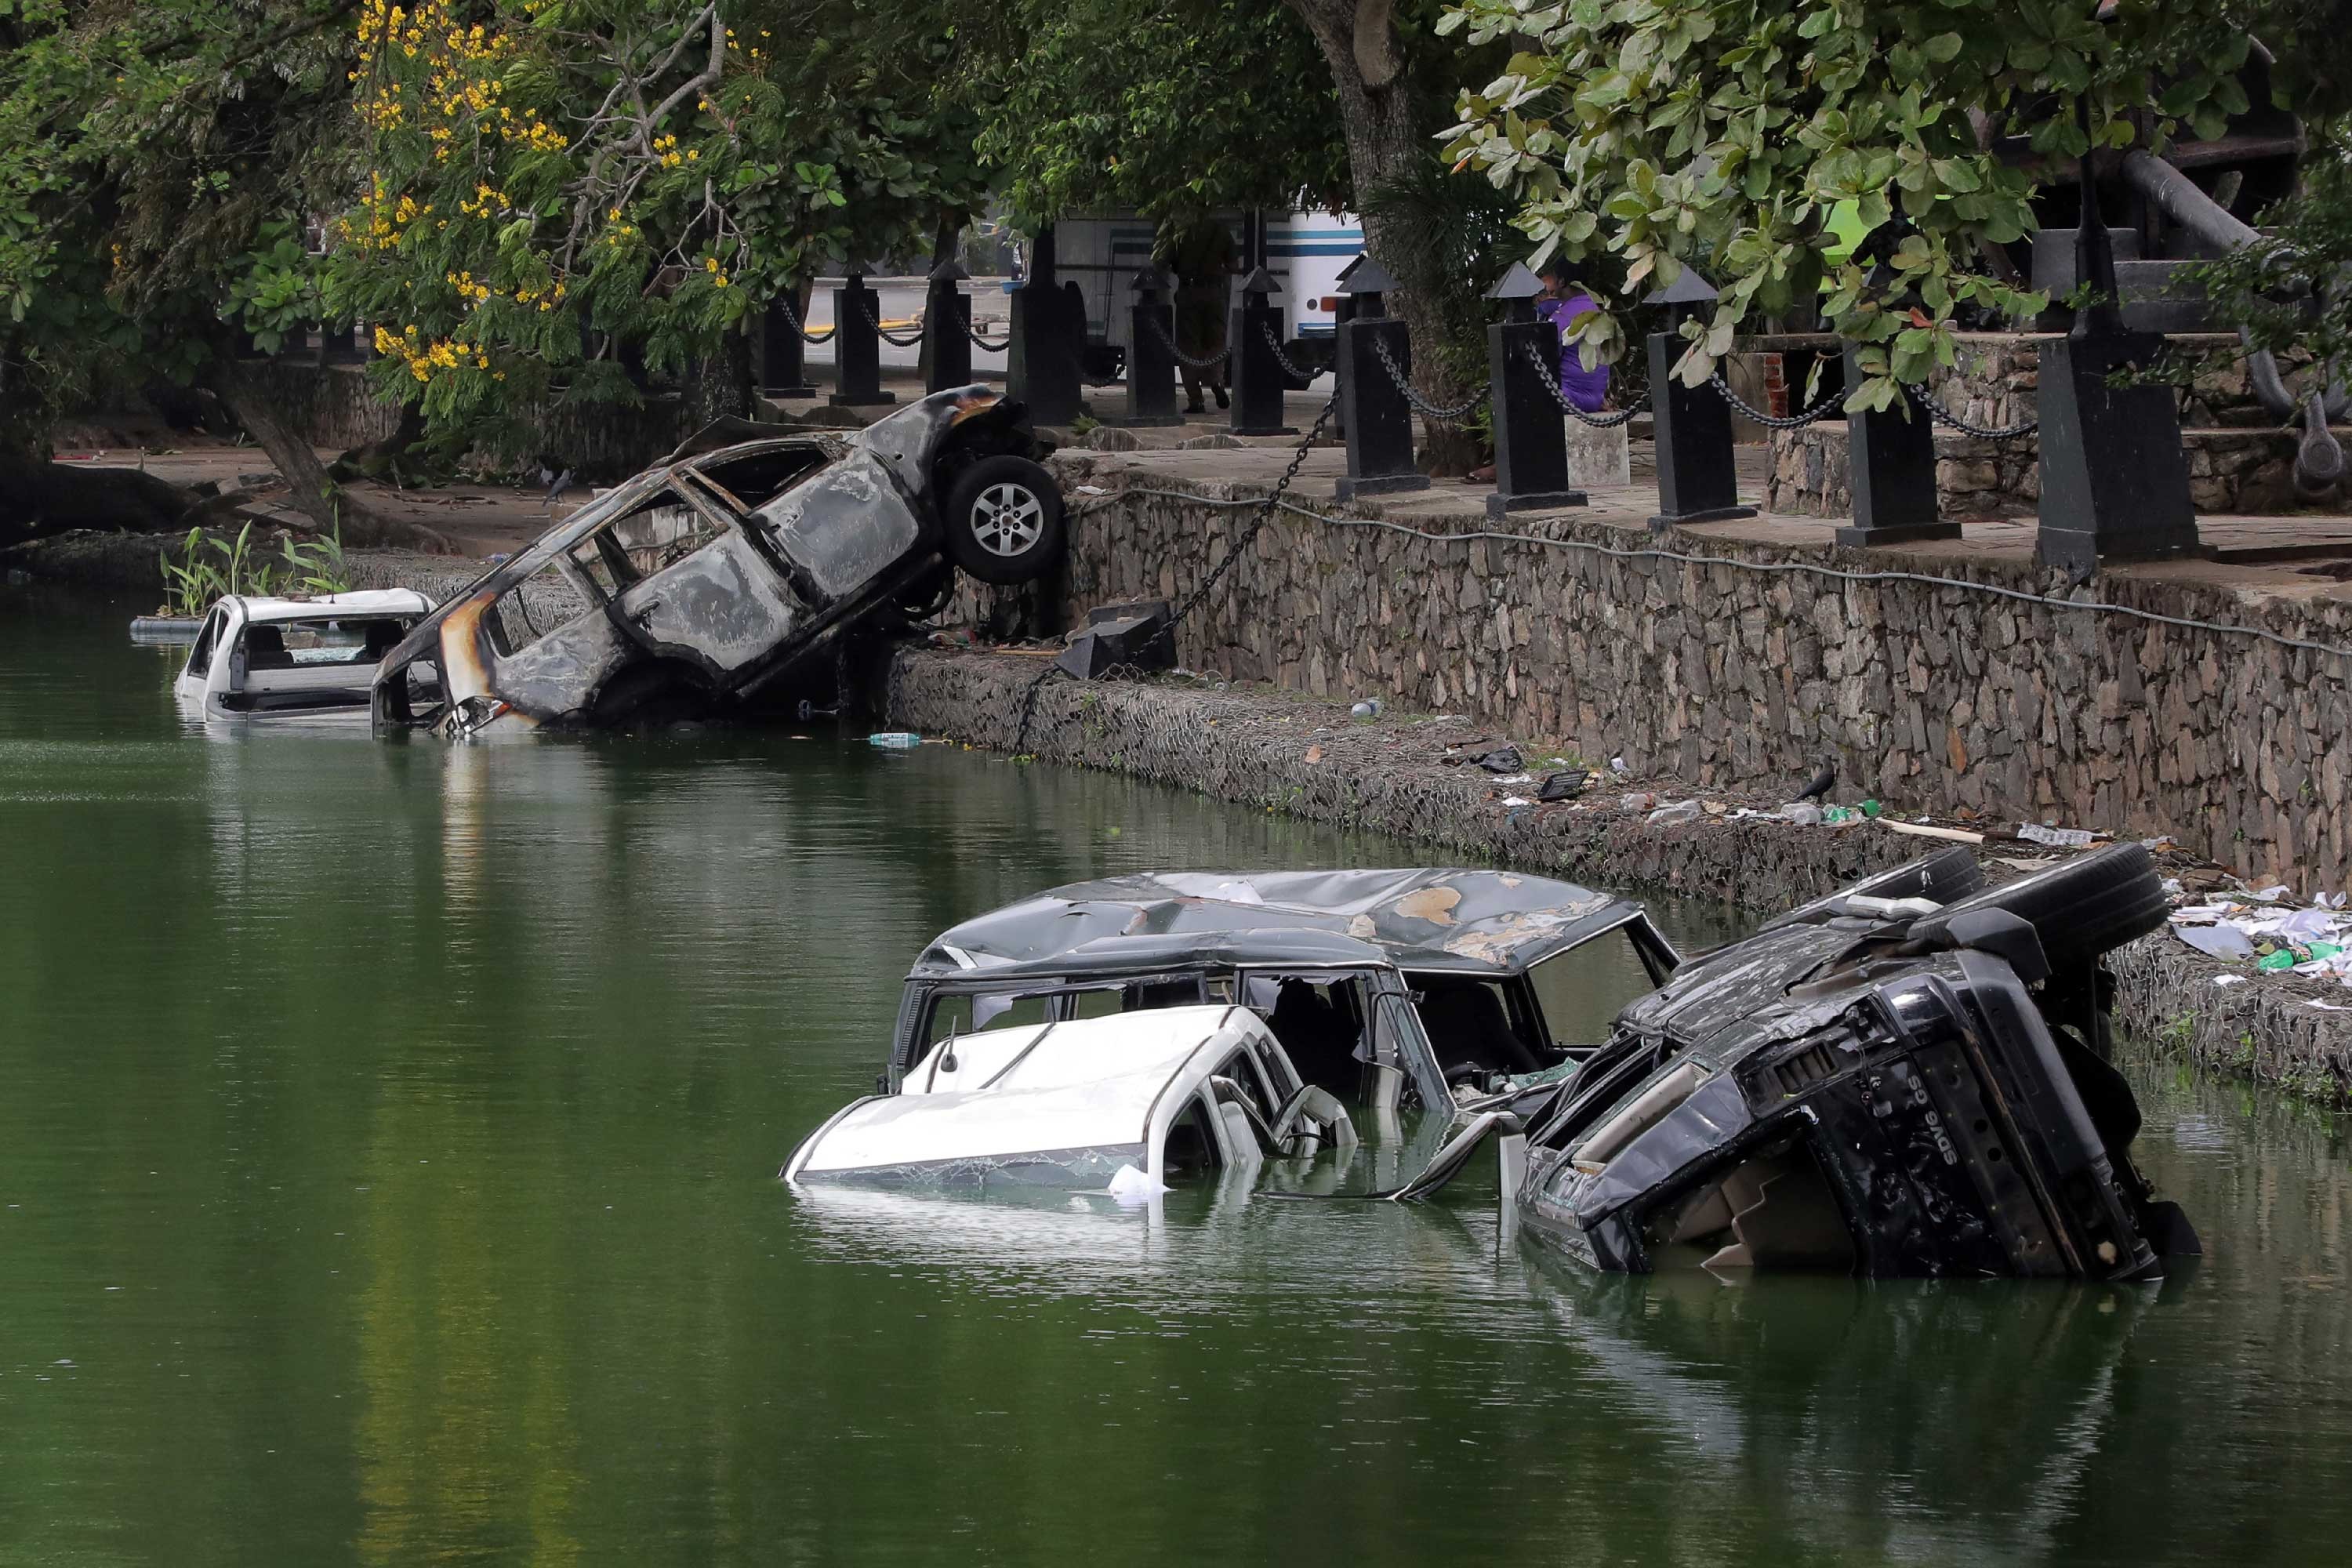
2156,294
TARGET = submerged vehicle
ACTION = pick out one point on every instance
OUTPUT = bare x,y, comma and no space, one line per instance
1908,1077
1490,973
1127,1100
262,658
1883,1083
699,582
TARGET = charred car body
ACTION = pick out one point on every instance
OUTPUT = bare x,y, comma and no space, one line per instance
1886,1082
699,583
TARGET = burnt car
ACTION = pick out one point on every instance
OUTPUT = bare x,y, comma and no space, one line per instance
1884,1083
697,585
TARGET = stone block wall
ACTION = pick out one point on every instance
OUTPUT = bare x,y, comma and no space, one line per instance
1728,673
2240,460
2236,472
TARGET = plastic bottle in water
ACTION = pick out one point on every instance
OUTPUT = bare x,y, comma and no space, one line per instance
896,739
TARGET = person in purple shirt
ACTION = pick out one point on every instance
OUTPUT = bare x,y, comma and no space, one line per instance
1561,303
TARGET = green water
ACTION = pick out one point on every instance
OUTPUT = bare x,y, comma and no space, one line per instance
388,1136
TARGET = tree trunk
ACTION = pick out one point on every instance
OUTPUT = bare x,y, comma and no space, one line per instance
310,490
1385,137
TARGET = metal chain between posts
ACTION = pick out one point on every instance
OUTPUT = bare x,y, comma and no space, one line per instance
1943,416
1272,504
1819,411
793,318
974,333
1282,359
1419,404
874,319
1548,374
1195,361
1266,514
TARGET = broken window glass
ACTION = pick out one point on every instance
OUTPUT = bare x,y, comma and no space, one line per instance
1582,989
1320,1021
544,602
758,478
662,532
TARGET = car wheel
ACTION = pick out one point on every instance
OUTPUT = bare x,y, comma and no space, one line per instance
2080,908
1005,520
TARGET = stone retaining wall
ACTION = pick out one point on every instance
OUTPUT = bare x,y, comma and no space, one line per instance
2230,472
1269,750
1752,669
2240,459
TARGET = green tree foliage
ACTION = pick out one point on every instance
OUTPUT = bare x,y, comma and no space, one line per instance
151,158
1164,109
1723,135
549,181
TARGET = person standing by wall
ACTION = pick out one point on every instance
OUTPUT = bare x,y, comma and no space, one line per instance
1561,302
1202,252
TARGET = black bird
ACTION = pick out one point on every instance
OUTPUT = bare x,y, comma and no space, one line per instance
556,475
1821,783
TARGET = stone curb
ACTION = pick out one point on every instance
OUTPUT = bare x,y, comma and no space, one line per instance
1249,748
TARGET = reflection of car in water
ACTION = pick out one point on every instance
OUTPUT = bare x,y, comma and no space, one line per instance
700,582
260,658
1912,1078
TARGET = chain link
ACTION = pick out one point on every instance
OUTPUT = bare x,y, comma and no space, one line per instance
1548,374
1195,361
1272,504
1282,359
1819,411
1943,416
1419,404
873,319
793,318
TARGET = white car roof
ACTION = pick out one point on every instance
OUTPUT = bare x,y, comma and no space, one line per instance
359,601
1085,1083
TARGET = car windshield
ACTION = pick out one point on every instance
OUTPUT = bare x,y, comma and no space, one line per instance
324,641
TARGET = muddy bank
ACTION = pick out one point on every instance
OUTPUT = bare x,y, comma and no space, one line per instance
130,563
1309,758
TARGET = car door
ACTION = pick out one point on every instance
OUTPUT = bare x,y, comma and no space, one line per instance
704,590
843,527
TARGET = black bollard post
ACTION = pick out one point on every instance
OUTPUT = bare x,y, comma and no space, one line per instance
947,329
343,345
1530,428
857,345
783,365
1372,411
1891,459
1696,480
1257,375
2114,476
1042,366
1150,354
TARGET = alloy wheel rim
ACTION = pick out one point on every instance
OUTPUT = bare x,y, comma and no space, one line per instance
1007,519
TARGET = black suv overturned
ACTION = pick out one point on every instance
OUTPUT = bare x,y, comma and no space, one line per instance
1909,1077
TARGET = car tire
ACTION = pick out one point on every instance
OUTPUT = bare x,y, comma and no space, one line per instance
2080,908
1004,522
